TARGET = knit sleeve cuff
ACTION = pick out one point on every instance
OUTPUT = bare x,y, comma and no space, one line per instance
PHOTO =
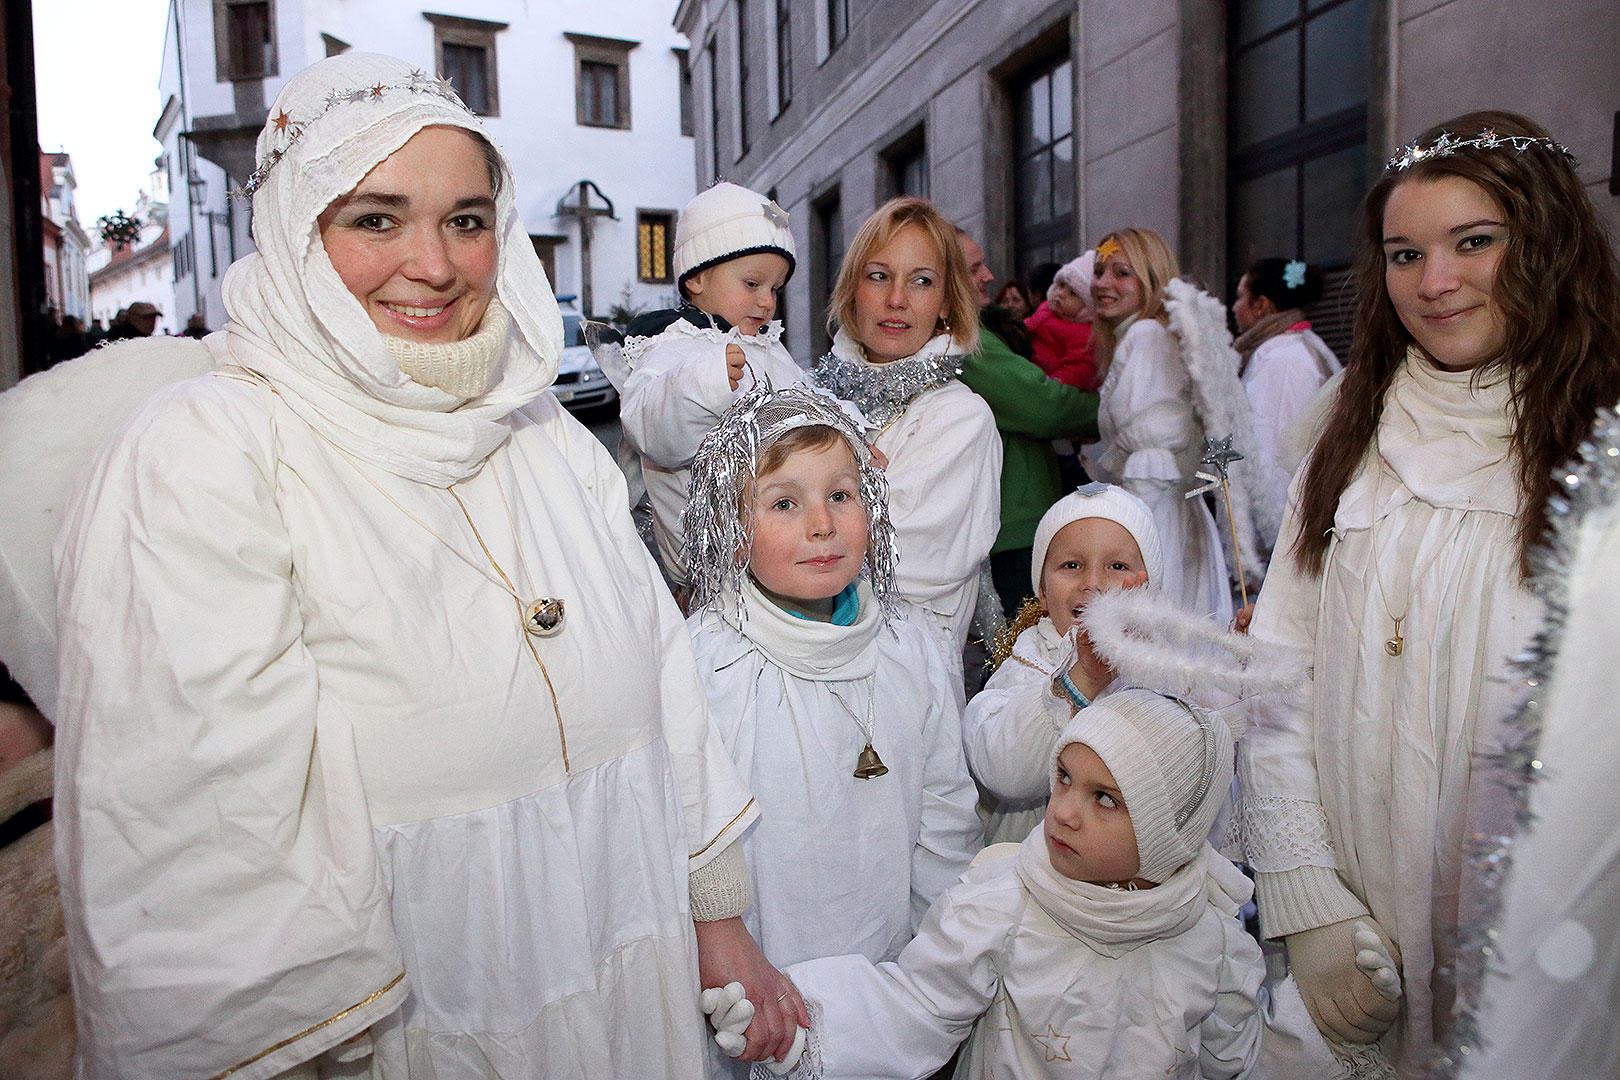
1303,899
720,889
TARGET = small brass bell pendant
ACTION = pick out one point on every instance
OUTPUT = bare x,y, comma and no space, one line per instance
1394,646
544,617
869,766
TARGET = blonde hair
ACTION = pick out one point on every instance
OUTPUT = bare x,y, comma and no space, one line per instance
1155,265
960,314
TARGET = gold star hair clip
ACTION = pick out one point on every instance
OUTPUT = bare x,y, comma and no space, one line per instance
1108,247
1448,144
287,131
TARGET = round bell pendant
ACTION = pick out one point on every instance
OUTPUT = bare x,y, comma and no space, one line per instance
544,617
869,766
1394,646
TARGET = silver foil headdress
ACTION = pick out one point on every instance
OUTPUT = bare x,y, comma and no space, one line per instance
1448,144
718,519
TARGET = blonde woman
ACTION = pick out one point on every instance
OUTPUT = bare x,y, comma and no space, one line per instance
904,314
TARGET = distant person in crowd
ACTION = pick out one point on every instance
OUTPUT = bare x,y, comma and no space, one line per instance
733,254
1014,296
138,320
69,340
1283,365
905,316
378,734
1061,327
196,326
1030,410
1483,349
1040,278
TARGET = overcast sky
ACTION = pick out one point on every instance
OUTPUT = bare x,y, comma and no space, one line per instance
97,64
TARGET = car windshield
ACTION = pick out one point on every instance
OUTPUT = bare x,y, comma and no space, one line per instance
571,330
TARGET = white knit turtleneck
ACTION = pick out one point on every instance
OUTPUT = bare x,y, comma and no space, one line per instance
463,369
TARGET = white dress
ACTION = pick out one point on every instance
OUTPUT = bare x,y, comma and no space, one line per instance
944,475
1283,374
315,777
1010,728
1371,775
839,864
1054,979
677,390
1151,442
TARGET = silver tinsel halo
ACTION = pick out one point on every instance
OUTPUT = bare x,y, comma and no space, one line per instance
1588,485
720,531
882,392
1448,144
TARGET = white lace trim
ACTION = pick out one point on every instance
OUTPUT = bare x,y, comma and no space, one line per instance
1284,834
633,348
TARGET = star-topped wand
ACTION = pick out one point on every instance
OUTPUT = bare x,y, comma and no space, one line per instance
1219,453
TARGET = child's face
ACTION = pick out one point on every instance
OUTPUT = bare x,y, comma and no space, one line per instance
1064,303
809,528
1088,828
1085,558
741,291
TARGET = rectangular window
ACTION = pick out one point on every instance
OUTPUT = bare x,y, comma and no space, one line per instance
545,246
655,233
907,163
464,51
784,55
837,23
714,111
244,39
826,253
1043,155
685,60
601,81
743,96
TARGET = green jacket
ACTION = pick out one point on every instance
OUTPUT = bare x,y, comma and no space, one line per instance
1031,410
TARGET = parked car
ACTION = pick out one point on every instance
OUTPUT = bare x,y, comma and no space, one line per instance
580,383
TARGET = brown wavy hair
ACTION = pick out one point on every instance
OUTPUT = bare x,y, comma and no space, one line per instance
1155,266
1559,293
961,312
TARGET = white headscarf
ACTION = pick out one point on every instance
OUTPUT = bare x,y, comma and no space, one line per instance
294,321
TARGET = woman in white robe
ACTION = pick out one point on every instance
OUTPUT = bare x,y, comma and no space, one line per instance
905,312
1400,566
320,791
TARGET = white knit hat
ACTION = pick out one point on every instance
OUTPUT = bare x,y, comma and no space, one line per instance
727,222
1173,763
1078,275
1100,501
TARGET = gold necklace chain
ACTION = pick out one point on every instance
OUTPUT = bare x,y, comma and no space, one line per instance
1395,645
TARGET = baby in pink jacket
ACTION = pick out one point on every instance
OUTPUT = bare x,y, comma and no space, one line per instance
1061,327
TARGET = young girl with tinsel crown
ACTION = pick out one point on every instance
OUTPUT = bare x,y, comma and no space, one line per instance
837,709
1097,537
1487,312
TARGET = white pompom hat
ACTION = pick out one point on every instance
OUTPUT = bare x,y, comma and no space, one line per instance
1077,275
1100,501
727,222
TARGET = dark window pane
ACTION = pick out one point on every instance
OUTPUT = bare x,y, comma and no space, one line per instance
599,93
1264,218
247,32
686,91
1336,50
1040,116
1062,100
837,21
1265,91
1333,188
784,53
1258,17
1062,176
1035,188
466,66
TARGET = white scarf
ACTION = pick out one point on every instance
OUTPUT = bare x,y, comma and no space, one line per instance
1115,921
807,648
293,320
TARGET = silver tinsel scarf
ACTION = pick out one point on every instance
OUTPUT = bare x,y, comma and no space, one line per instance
718,518
1587,485
882,392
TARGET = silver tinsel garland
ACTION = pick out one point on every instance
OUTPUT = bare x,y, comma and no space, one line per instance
718,519
1588,485
882,392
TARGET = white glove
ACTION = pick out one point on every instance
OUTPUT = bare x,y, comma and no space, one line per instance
1342,996
730,1012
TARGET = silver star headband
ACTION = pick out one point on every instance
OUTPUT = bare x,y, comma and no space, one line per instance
287,130
717,520
1448,144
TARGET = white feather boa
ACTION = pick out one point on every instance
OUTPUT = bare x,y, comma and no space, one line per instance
1148,640
1199,322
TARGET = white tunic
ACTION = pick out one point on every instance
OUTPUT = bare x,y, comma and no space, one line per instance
317,778
1282,375
1384,743
1151,442
1054,979
677,390
1010,728
839,864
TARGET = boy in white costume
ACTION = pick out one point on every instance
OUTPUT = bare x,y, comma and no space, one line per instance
837,709
1096,537
733,254
1108,945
